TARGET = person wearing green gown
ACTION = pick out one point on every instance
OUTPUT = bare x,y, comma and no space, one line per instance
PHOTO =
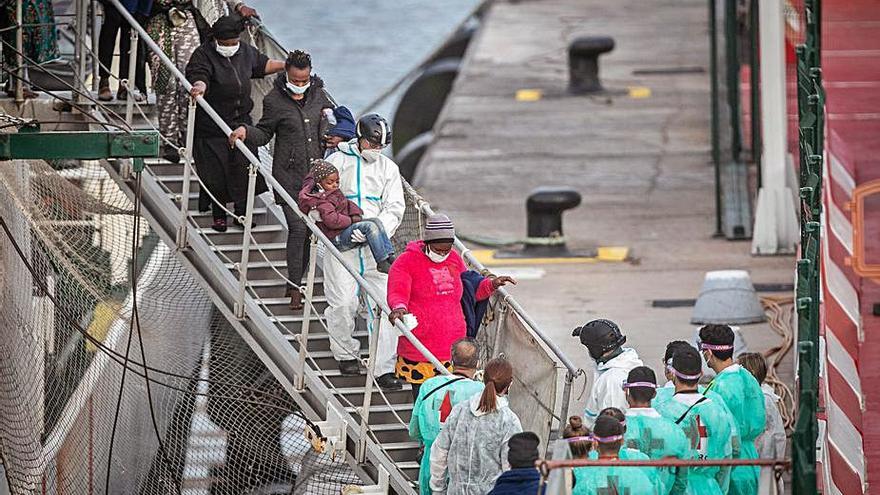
743,396
436,398
611,479
668,388
705,421
652,434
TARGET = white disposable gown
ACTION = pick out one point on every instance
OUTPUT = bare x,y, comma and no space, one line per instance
472,448
608,379
377,188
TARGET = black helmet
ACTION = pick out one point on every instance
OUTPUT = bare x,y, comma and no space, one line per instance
599,337
375,129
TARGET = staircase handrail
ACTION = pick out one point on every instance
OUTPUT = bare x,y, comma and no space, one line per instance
278,189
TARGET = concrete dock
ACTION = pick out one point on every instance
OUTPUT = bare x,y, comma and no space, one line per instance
640,158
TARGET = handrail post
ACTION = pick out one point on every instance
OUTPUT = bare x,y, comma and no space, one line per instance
79,52
299,379
19,48
132,64
96,64
182,241
246,242
566,398
361,451
499,325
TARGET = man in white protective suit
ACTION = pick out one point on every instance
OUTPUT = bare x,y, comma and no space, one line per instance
372,181
604,342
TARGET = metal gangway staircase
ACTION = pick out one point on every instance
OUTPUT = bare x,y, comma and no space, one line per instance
243,271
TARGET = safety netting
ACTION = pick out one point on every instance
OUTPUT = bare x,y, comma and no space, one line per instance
90,294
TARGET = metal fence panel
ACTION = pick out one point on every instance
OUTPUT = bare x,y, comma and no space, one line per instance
535,374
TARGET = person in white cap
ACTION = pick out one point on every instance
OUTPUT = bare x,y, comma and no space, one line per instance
372,181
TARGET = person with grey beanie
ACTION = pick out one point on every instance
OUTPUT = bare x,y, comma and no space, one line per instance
425,281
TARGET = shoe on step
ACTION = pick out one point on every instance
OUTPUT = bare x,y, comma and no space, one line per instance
219,224
171,154
104,93
122,95
389,382
296,302
384,266
241,224
350,367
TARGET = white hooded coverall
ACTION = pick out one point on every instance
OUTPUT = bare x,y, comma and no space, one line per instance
377,189
608,381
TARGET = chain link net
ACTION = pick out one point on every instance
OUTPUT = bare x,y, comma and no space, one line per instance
214,421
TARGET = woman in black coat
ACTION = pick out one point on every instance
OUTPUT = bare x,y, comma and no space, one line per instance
293,113
221,70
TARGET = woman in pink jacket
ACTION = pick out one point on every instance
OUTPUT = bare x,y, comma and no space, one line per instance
425,281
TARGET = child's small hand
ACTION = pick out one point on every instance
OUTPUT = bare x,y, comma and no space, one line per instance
356,218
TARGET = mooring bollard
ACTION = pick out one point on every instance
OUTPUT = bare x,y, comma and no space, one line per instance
727,298
544,208
583,63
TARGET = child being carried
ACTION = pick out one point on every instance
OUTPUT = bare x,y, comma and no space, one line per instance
339,218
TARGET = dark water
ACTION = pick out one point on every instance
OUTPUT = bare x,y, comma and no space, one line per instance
360,47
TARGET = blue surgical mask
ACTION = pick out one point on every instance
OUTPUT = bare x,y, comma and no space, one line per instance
297,90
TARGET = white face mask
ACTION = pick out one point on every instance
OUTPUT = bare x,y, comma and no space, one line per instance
227,51
436,258
371,155
297,90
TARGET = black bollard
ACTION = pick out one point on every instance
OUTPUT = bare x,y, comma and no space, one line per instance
583,63
544,209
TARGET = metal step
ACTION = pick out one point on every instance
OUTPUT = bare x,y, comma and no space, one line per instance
276,287
261,269
269,233
279,306
403,451
274,251
175,182
391,432
381,413
410,469
356,394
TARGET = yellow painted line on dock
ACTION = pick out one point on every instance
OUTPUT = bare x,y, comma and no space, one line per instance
639,92
609,254
529,94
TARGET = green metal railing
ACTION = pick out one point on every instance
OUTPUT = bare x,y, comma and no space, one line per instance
811,119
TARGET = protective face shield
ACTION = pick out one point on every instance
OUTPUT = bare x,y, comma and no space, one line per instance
227,50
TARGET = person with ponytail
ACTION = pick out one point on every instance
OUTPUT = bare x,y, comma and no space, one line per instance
471,451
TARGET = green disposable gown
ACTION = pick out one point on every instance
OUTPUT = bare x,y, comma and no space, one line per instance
615,480
744,399
659,438
429,415
712,434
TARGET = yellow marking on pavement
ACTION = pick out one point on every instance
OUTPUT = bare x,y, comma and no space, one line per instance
529,94
604,254
613,253
639,92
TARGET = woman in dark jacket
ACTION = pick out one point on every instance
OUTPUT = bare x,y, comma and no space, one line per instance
221,70
293,114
